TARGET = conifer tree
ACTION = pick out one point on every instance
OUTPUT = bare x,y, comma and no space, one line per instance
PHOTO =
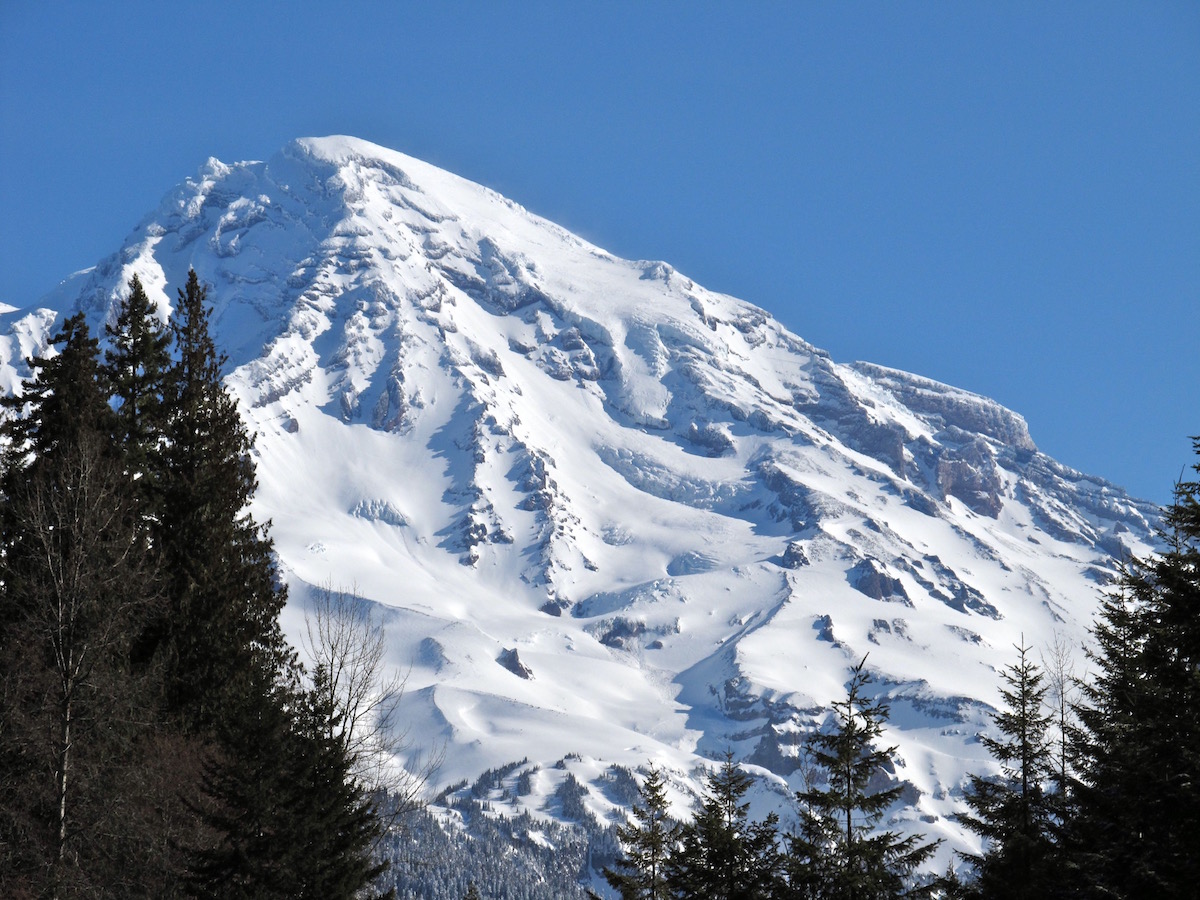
809,864
59,405
250,795
647,843
1136,813
229,676
136,365
1015,813
279,792
292,820
722,854
339,828
224,600
289,817
842,853
74,588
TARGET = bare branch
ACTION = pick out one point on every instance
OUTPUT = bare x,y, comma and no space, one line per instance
345,637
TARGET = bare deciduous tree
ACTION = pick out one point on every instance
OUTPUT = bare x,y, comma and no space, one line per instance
344,636
1059,665
79,579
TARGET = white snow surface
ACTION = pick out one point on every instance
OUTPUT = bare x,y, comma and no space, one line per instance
687,521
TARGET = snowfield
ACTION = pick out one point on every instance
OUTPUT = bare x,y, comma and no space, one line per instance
688,523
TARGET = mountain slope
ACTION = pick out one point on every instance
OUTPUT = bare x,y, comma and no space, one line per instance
613,517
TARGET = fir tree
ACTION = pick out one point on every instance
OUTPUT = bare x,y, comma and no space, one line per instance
279,793
250,796
134,374
722,855
1014,813
841,853
229,676
223,595
1136,812
74,588
647,842
60,404
136,365
292,821
338,825
809,864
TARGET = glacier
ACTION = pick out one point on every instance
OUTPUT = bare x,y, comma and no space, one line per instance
611,518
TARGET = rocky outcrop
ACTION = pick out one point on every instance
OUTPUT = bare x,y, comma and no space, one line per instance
968,471
511,660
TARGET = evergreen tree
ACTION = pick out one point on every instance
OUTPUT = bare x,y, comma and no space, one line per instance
279,792
1136,813
1014,813
223,596
74,588
647,842
339,828
136,365
291,820
722,855
229,674
250,795
809,864
840,852
59,406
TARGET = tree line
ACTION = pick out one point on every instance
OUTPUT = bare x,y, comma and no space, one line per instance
158,735
1098,794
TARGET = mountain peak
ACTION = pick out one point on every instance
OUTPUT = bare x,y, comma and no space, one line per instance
688,522
341,149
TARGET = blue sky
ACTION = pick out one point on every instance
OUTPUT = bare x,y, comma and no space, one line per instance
1002,196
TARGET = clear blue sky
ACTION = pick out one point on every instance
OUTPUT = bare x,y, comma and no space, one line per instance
1002,196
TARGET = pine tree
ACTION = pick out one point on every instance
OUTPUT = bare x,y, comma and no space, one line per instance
136,365
647,842
250,795
338,825
279,793
1014,813
722,855
841,853
74,588
223,596
1136,812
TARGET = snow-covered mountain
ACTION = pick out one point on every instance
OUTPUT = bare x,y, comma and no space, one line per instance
613,517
